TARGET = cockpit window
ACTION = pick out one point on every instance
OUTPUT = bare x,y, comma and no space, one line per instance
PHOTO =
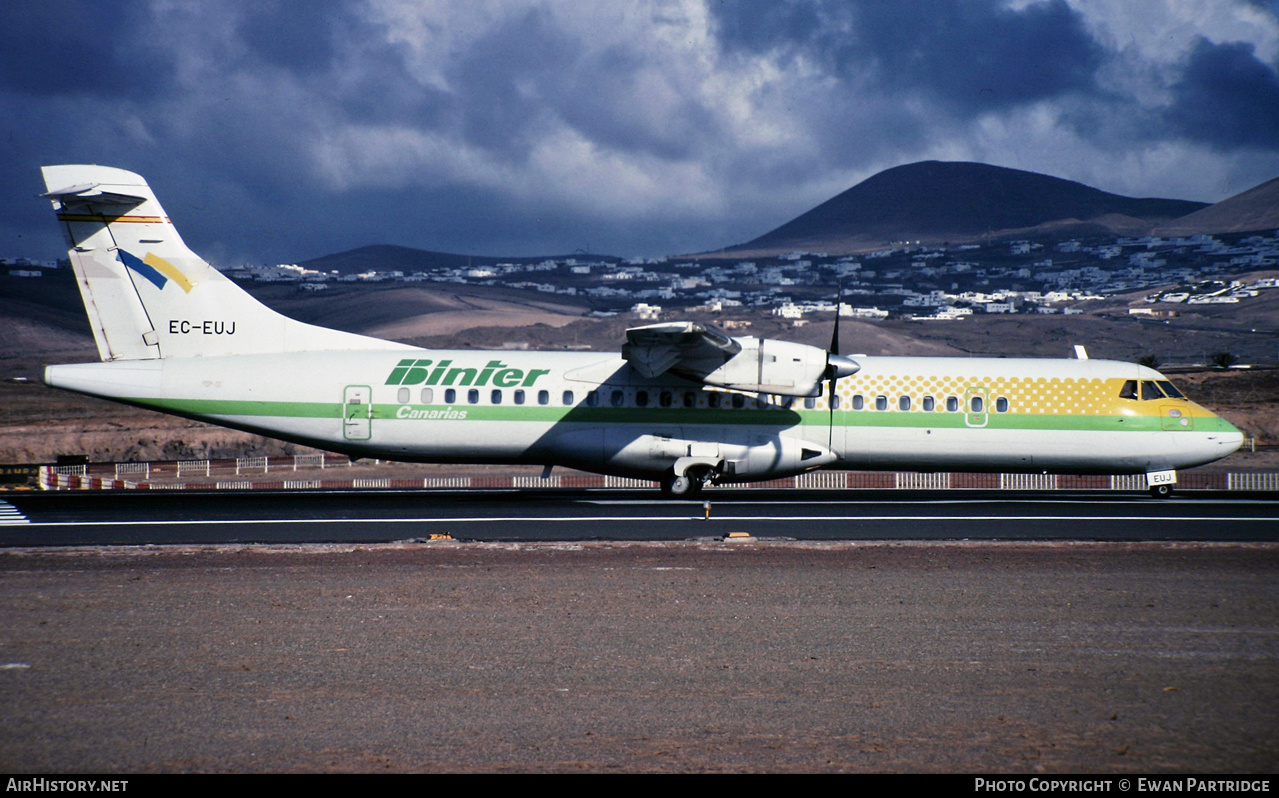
1129,391
1171,390
1150,391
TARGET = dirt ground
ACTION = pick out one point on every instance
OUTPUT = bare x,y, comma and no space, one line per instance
692,657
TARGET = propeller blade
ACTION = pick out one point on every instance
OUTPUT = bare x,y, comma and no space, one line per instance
834,336
833,367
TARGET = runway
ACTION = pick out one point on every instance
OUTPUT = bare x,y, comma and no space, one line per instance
132,518
855,631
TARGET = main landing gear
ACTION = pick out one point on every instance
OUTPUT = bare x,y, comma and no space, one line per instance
686,485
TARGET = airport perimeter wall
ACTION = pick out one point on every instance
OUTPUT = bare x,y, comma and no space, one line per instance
281,473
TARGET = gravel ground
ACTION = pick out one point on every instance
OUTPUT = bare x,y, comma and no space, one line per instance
708,656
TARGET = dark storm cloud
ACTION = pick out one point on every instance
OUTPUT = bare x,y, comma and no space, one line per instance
1227,98
283,129
510,80
297,35
1266,5
69,48
600,104
972,56
342,62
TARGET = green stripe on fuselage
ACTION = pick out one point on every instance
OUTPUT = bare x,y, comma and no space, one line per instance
770,417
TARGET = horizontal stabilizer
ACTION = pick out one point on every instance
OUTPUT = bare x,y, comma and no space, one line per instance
92,193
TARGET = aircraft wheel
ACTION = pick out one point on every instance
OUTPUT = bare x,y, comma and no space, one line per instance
680,486
1161,491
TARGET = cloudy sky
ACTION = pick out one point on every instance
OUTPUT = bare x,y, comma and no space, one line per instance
279,130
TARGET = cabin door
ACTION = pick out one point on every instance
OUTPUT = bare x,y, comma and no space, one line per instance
357,413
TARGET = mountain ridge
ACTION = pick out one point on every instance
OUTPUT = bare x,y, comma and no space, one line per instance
958,201
1256,208
930,202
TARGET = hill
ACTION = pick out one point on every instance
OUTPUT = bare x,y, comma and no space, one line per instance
935,201
385,257
1254,209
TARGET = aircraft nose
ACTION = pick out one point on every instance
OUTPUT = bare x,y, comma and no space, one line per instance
1231,441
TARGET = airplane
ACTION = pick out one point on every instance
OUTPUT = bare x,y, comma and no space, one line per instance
682,404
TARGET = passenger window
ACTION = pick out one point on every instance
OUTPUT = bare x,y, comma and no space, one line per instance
641,398
952,404
495,396
543,397
593,399
1171,390
617,398
450,395
1001,404
1129,391
428,396
519,397
859,402
739,401
712,399
690,399
1150,391
568,398
788,402
881,402
929,404
904,403
473,396
977,404
810,402
664,398
834,402
402,396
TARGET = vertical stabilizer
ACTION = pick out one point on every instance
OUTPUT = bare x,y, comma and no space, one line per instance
147,294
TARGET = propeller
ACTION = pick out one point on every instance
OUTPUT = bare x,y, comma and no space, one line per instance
837,366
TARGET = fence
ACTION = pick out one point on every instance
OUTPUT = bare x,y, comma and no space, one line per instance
79,478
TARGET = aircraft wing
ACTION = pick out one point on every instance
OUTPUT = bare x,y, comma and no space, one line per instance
681,347
703,354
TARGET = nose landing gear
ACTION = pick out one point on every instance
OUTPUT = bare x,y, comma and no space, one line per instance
1161,483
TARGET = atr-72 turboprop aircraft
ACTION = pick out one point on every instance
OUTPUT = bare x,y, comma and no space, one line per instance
682,404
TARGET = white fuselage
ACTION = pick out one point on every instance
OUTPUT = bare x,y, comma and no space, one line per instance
593,411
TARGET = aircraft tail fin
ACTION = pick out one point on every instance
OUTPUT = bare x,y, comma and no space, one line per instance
147,294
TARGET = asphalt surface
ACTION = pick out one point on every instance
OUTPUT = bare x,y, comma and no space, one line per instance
608,631
1049,657
169,517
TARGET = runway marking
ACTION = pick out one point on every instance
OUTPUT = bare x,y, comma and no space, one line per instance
653,518
11,516
1136,501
